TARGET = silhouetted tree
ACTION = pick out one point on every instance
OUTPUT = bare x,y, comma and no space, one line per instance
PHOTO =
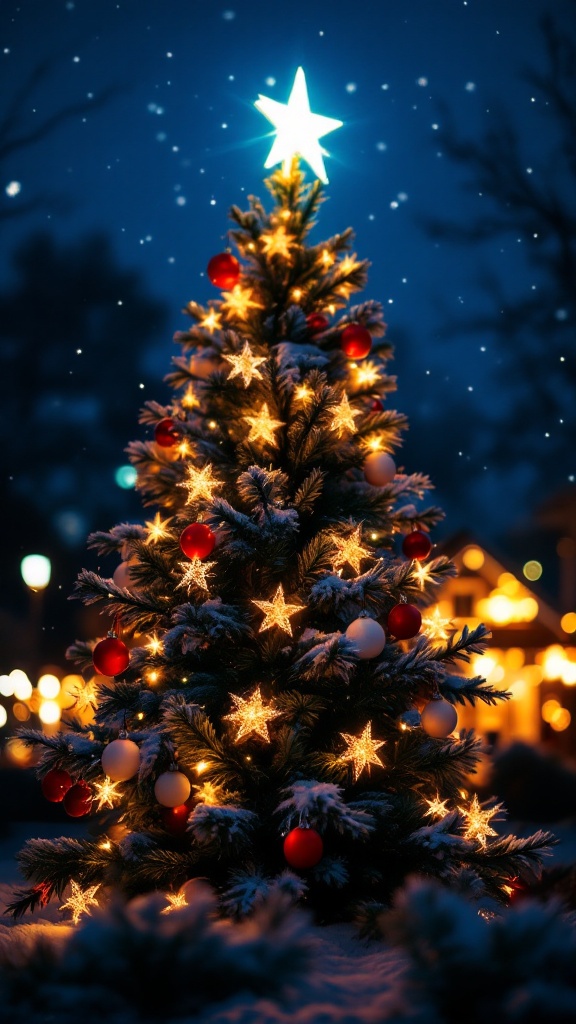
533,199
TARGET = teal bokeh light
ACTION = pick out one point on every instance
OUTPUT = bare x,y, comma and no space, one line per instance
125,477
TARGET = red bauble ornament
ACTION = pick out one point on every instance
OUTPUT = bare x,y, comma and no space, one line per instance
166,433
110,656
404,621
55,785
175,819
317,323
197,540
303,848
417,545
356,341
78,800
377,405
224,270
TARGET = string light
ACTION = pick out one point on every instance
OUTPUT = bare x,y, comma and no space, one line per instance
277,612
195,573
212,321
80,901
157,529
302,393
262,426
200,484
361,751
277,243
155,644
106,793
176,900
344,416
245,365
208,793
239,301
437,808
477,826
251,716
349,550
422,573
85,697
190,399
327,258
368,374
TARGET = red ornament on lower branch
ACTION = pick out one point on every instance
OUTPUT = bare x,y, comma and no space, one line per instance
197,540
55,785
303,848
317,323
166,433
110,656
78,800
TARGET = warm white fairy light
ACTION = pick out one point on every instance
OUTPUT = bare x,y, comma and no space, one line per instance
349,550
208,793
298,130
477,819
200,484
239,301
251,716
84,697
422,573
80,901
368,374
437,808
344,416
106,793
277,612
190,399
157,529
361,750
245,364
436,627
302,393
176,900
195,574
262,426
212,321
327,258
278,242
155,644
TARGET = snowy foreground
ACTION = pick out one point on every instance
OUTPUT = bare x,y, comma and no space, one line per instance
438,961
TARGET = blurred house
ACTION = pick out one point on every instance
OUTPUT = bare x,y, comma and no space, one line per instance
532,650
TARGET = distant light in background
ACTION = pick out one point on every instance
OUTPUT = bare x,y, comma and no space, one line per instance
473,558
71,525
36,571
13,188
568,623
7,686
125,477
3,715
561,720
532,570
48,686
49,712
21,712
17,751
22,685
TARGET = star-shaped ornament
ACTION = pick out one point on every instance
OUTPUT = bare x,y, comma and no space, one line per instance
195,572
437,808
245,365
477,826
349,550
212,321
298,130
200,484
277,612
239,301
262,426
80,901
278,242
176,900
437,628
106,793
361,751
157,529
251,716
344,416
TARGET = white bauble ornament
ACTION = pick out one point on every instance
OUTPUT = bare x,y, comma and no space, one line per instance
121,760
172,789
438,718
368,636
379,469
121,575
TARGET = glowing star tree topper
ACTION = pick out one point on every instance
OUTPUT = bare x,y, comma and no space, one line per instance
297,129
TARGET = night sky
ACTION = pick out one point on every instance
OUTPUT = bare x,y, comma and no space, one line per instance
178,141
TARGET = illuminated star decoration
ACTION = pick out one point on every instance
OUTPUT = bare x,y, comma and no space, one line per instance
176,900
368,374
155,644
437,808
436,627
190,399
344,417
277,612
262,426
350,551
477,826
245,365
195,572
277,243
239,301
106,792
362,750
422,573
85,697
80,901
212,321
157,529
200,484
251,716
297,129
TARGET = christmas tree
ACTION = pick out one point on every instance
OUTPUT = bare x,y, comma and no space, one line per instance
270,710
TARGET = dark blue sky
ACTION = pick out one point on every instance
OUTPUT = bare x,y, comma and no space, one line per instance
159,165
